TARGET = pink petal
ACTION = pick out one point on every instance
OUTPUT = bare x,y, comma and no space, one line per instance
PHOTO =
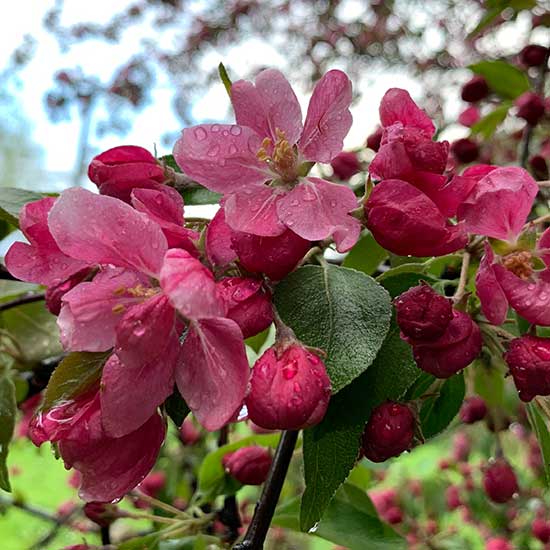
478,171
104,230
317,209
111,467
267,105
222,157
91,311
500,203
254,210
218,241
391,161
143,332
529,298
190,286
328,118
493,300
130,396
543,247
213,375
398,106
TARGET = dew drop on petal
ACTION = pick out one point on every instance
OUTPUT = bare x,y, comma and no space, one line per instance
235,130
200,134
213,151
232,149
215,128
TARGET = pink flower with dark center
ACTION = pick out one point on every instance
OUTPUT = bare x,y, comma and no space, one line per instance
258,163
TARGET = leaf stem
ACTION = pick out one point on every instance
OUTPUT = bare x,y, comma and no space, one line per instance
463,280
265,508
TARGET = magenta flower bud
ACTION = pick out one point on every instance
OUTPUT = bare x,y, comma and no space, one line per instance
100,513
473,409
393,516
119,170
541,530
539,167
533,55
528,359
345,165
475,89
374,139
500,482
189,433
461,447
422,313
248,465
153,484
469,116
498,543
273,256
248,304
55,293
289,389
389,431
452,498
459,345
530,107
465,150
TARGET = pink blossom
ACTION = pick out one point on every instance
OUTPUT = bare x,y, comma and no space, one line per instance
469,116
258,163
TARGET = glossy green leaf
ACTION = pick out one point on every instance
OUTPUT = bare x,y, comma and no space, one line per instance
488,125
224,77
200,195
12,199
540,424
8,409
504,79
366,255
341,311
401,278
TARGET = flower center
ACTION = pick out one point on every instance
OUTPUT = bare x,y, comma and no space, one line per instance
282,159
519,263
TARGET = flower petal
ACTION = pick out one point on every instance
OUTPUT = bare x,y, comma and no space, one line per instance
268,104
328,118
493,300
190,286
222,157
317,209
398,106
254,210
543,247
130,396
104,230
214,372
218,241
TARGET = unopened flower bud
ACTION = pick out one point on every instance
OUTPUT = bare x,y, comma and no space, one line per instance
500,482
373,141
189,433
248,304
461,447
533,55
100,513
539,167
469,116
498,543
289,389
153,484
541,530
393,516
389,431
465,150
530,107
473,409
422,313
528,359
248,465
452,498
345,165
475,89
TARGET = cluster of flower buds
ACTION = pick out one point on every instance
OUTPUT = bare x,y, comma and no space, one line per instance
444,340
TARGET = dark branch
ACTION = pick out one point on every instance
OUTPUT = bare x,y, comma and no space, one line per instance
24,299
265,508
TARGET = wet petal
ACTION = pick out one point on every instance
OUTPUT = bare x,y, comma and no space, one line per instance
398,106
543,247
493,300
218,241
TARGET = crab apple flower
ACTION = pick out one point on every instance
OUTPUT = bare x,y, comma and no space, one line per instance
389,431
248,465
473,409
500,482
528,359
258,163
422,313
345,165
453,351
475,89
41,261
110,467
247,303
289,389
469,116
131,306
405,221
118,171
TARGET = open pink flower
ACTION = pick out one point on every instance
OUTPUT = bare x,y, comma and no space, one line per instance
258,163
138,305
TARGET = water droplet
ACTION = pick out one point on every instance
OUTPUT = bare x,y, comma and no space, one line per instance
232,149
213,151
225,133
290,370
295,203
531,287
333,204
235,130
215,128
200,134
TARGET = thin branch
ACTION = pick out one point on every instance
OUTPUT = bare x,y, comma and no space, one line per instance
462,282
24,299
106,535
33,511
265,508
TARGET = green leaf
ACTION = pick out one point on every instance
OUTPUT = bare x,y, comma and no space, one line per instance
341,311
366,255
200,195
211,478
257,342
170,161
489,383
13,199
539,423
331,448
8,409
488,125
504,79
176,408
401,278
78,372
438,412
496,7
11,289
222,71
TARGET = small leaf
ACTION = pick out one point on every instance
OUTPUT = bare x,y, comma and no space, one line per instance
489,383
8,409
170,161
222,71
12,199
488,125
539,423
341,311
504,79
176,408
366,255
199,195
439,411
401,278
78,372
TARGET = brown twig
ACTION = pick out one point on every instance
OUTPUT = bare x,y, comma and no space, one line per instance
21,300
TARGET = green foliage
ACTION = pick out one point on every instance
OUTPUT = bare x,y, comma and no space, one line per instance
332,447
504,79
495,7
160,541
539,423
488,125
12,200
224,77
341,311
8,409
366,255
